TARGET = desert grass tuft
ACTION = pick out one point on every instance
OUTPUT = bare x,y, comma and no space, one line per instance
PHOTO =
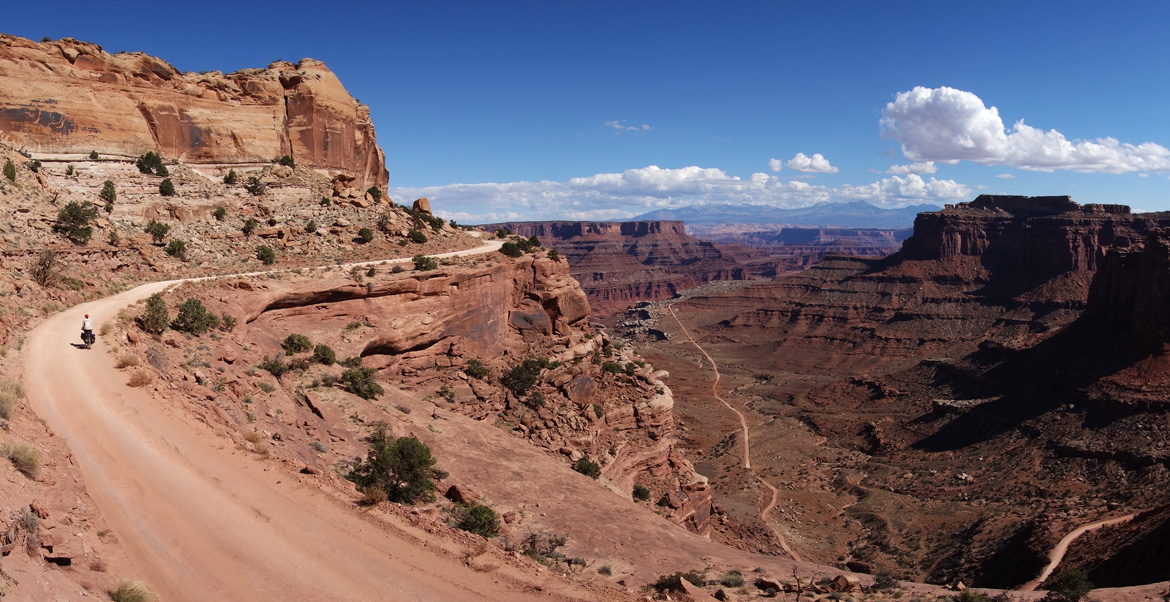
126,360
140,378
11,391
132,590
25,459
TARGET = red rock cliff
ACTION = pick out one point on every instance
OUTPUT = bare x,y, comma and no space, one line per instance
67,97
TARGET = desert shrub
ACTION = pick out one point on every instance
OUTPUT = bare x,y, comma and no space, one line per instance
970,595
194,318
476,369
1071,585
323,354
296,343
732,579
503,233
177,248
355,361
25,459
423,263
360,382
73,222
553,255
384,222
481,520
227,322
275,366
535,400
311,227
523,375
884,579
605,570
374,192
131,590
598,410
93,155
365,235
587,467
403,468
140,378
287,160
108,194
46,269
219,213
11,391
155,317
152,164
642,494
325,201
249,226
611,367
126,360
372,271
265,254
266,387
69,169
511,250
231,178
328,380
10,170
673,582
416,236
157,231
255,186
166,187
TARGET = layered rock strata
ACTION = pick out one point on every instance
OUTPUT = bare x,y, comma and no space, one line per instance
66,98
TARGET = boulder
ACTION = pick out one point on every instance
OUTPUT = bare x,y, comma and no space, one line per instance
422,205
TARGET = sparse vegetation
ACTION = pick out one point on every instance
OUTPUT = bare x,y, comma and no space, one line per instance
416,236
227,322
296,343
255,186
1071,585
481,520
11,391
476,369
152,164
523,375
219,213
275,366
69,170
553,255
423,263
24,458
93,155
177,248
132,590
323,354
642,494
265,254
108,194
194,318
511,250
140,378
231,179
287,161
10,170
73,222
402,468
374,192
46,269
155,317
732,579
311,227
157,230
360,381
588,467
166,187
673,582
249,226
365,235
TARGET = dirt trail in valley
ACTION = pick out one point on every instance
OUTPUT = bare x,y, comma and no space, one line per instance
202,520
747,461
1058,552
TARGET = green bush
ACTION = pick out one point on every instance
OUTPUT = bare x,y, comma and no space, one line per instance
311,227
69,170
673,582
476,369
287,161
1071,585
360,382
249,226
481,520
325,201
731,579
275,366
553,255
642,494
194,318
157,231
73,222
355,361
34,166
219,213
177,248
108,194
227,322
503,233
151,164
166,187
611,367
524,375
155,317
231,178
416,236
10,170
365,235
511,250
374,192
423,263
296,343
265,254
323,354
93,155
372,271
402,468
588,467
255,186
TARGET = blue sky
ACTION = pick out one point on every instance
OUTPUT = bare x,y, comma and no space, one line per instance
541,110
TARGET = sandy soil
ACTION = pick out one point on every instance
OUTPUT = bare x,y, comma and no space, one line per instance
201,520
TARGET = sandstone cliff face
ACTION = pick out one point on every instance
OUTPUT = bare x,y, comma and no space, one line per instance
619,263
67,98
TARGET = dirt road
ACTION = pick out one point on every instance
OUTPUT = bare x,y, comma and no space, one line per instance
202,520
1058,552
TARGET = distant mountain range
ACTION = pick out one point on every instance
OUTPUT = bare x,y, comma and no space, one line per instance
858,214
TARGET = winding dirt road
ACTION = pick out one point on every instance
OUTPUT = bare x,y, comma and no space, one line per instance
1058,552
747,460
201,520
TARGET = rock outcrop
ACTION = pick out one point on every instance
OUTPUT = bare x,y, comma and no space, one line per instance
66,98
619,263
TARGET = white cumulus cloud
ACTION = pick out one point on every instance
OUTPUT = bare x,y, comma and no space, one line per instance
949,125
636,191
620,126
927,167
775,164
814,164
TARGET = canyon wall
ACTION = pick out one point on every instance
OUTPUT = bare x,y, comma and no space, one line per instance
619,263
66,98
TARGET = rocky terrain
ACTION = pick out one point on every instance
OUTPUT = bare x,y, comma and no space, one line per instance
620,263
967,400
804,247
65,99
